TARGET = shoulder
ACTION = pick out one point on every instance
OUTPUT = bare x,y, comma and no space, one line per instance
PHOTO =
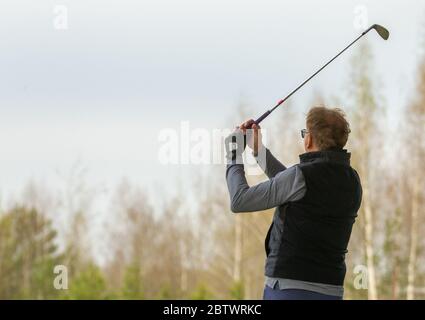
293,173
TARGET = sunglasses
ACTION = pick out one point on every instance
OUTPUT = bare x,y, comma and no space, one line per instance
303,133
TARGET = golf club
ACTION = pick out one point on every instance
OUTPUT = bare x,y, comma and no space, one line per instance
384,33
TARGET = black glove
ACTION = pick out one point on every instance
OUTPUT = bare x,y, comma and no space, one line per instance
235,145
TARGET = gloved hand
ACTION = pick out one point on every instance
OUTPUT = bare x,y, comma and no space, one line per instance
235,145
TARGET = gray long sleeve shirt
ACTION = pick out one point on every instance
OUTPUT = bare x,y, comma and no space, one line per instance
284,185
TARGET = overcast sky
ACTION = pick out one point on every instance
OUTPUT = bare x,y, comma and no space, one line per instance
100,91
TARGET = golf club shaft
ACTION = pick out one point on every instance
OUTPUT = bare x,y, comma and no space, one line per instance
264,115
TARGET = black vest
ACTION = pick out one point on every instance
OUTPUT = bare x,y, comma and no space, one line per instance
308,238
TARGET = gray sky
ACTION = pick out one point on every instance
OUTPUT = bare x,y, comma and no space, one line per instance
101,91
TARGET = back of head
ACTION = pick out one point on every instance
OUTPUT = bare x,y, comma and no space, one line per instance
328,127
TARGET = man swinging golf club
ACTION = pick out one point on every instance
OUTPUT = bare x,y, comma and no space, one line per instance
316,200
316,205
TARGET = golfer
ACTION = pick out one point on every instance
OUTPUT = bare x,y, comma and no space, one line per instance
316,205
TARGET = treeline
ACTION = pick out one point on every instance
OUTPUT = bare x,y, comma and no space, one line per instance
202,250
174,255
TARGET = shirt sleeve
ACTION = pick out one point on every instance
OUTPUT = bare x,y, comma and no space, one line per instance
269,164
288,185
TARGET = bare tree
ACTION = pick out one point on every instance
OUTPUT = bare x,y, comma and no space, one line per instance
415,121
364,108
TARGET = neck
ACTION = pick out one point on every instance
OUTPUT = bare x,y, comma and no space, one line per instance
313,149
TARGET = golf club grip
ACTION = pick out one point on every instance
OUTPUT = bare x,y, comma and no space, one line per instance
262,117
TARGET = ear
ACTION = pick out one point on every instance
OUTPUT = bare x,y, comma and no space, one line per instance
309,141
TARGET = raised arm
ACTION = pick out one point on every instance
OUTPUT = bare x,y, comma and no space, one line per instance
268,163
286,186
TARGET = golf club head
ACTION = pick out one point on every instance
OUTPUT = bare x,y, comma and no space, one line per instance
383,32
